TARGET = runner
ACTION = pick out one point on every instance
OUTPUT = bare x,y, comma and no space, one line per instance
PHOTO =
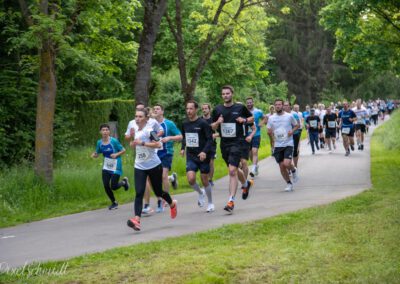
296,134
112,165
282,125
259,121
313,125
360,129
306,114
346,119
171,134
147,165
330,126
374,113
130,134
206,109
321,114
229,119
198,143
271,137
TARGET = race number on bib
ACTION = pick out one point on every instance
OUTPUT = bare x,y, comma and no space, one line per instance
313,123
346,130
142,153
228,130
331,124
192,139
280,134
110,164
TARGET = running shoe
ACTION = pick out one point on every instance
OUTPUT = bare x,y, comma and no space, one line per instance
147,211
359,147
113,206
211,183
252,172
174,210
229,207
174,183
295,176
246,190
289,187
126,183
347,153
134,224
160,209
210,208
352,147
362,147
201,200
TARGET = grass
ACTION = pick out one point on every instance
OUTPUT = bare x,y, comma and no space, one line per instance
354,240
78,186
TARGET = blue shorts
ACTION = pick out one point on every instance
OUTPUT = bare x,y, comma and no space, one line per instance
195,165
166,161
255,142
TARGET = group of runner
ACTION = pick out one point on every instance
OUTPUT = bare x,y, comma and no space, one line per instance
238,126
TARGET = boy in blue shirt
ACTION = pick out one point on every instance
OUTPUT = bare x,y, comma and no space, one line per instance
112,165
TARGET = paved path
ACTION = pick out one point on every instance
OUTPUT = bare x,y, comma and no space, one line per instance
324,178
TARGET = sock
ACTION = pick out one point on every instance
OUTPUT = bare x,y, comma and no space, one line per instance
208,192
231,198
196,188
159,203
246,183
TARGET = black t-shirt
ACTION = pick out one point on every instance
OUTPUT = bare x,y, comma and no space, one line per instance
312,122
230,130
330,117
197,138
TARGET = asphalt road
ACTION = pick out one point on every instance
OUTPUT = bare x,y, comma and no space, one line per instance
324,178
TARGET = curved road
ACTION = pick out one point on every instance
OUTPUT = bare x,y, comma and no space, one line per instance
324,178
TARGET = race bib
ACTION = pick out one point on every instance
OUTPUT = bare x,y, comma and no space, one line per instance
142,153
110,164
280,134
228,130
192,140
346,130
331,124
313,123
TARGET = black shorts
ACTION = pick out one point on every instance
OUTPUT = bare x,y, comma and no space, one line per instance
232,153
360,127
330,133
246,147
281,153
351,134
194,165
296,142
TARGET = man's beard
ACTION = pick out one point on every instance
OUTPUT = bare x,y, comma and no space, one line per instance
279,111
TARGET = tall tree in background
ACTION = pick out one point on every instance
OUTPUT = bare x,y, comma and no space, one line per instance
212,24
153,12
302,49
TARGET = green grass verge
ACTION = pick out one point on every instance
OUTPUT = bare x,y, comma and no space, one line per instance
354,240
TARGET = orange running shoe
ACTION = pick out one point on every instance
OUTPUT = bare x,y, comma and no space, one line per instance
174,210
229,207
134,224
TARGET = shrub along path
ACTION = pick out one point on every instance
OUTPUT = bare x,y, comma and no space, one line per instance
324,178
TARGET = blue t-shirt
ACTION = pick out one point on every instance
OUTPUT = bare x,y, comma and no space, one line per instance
305,115
345,116
257,114
113,147
170,129
296,116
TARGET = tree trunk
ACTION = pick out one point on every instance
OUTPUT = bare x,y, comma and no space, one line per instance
154,10
45,113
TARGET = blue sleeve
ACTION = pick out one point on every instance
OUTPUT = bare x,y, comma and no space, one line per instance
98,149
173,129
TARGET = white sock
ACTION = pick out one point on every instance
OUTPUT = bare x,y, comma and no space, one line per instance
196,188
208,192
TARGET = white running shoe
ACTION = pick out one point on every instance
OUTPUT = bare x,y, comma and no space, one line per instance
148,210
210,208
289,187
295,176
202,197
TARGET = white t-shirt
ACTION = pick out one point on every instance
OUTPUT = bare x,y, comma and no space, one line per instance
321,114
281,125
146,157
151,122
361,114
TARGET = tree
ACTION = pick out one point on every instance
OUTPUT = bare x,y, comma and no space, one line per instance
213,22
367,32
153,12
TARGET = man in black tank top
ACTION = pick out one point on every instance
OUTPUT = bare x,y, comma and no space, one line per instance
228,119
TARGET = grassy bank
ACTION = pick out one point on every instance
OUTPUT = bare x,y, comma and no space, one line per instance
77,186
350,241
